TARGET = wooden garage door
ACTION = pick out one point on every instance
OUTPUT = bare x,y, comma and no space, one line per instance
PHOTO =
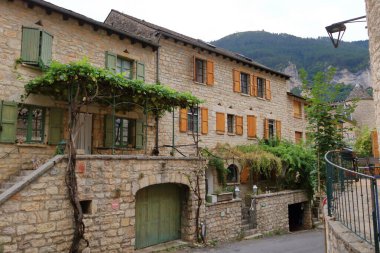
158,215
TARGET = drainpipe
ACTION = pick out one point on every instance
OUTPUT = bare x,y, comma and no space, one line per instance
156,150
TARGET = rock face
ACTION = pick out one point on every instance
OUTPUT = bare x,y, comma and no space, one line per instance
342,76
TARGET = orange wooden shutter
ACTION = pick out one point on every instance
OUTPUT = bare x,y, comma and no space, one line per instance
210,73
204,118
254,86
239,125
375,144
244,175
194,69
220,122
251,126
183,120
278,129
266,129
268,94
236,79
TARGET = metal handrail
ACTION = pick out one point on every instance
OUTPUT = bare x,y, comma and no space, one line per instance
352,197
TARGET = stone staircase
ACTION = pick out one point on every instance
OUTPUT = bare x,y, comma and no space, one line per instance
247,226
12,180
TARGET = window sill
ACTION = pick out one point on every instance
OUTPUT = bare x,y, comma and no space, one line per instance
32,145
219,132
231,134
252,138
31,66
259,98
195,133
298,117
244,95
204,84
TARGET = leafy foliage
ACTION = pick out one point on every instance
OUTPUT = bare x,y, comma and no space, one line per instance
314,55
363,144
98,85
221,170
299,165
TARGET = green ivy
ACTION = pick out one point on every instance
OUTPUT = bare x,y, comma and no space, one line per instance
363,144
221,170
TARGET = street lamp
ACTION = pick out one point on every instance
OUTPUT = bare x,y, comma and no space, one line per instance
339,28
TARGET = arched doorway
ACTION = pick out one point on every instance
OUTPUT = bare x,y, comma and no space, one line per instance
158,214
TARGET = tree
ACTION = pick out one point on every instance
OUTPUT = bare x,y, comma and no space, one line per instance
325,116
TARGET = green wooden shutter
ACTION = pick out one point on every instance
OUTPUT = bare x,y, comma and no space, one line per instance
46,48
8,121
55,125
140,72
30,45
111,61
139,134
108,131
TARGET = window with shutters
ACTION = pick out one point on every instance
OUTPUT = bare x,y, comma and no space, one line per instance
297,109
123,132
220,123
244,83
230,123
260,87
36,47
130,69
203,71
251,126
30,124
192,119
298,137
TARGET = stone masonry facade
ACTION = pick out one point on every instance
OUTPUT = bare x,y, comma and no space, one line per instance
271,210
223,220
71,42
373,24
39,217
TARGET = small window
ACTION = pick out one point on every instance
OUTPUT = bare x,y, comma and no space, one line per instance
125,132
244,82
200,70
124,67
297,109
192,120
30,124
298,137
230,123
86,206
260,87
272,128
232,173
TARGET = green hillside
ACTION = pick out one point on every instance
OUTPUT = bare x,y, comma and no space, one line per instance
277,50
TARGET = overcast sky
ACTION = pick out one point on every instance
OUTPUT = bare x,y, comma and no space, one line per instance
213,19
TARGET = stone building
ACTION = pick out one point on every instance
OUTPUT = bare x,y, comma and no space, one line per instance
373,21
120,188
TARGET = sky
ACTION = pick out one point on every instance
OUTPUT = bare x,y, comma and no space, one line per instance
210,20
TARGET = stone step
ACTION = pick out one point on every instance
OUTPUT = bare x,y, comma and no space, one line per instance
250,232
254,236
244,221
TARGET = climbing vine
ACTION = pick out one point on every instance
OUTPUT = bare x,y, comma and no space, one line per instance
80,84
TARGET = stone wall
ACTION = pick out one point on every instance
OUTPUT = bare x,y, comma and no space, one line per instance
296,124
272,210
223,220
39,217
373,24
364,113
340,239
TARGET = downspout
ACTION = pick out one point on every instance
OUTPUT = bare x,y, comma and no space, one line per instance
156,150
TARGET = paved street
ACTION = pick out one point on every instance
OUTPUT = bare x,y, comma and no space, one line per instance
299,242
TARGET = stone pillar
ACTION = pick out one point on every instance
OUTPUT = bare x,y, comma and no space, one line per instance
373,24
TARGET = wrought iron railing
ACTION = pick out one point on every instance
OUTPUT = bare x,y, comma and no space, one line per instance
352,195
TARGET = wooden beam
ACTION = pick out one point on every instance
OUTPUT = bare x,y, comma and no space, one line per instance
80,22
144,45
48,11
65,17
95,28
133,41
109,32
121,37
30,5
